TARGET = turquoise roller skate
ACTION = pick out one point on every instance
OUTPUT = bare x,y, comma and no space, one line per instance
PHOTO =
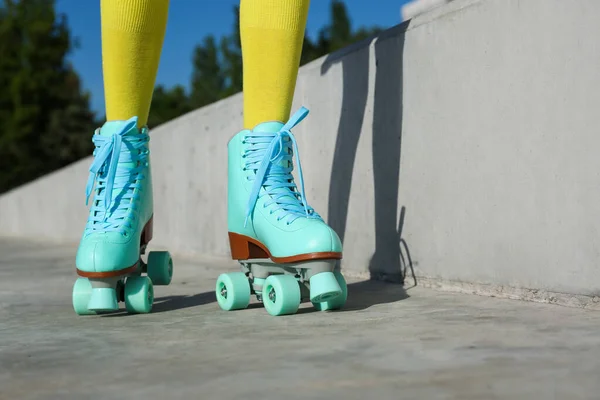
119,226
286,250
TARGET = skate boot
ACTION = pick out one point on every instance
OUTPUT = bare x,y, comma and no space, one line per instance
119,226
286,250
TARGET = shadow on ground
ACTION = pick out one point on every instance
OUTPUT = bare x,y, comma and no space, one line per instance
173,303
363,295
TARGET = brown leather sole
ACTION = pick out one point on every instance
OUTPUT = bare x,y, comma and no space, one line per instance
144,240
247,248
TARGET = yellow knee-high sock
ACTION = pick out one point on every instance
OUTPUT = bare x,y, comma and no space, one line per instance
132,36
272,34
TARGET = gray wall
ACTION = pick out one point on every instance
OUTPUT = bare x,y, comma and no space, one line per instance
417,7
477,119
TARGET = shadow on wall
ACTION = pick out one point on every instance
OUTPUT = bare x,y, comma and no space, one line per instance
388,263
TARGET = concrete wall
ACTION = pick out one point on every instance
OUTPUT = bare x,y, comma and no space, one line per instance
416,7
478,120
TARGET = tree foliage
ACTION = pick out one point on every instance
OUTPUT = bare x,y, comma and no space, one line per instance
45,119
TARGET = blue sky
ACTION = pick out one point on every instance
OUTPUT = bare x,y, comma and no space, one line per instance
189,21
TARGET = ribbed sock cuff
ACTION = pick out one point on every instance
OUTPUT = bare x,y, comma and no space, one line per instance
289,15
138,16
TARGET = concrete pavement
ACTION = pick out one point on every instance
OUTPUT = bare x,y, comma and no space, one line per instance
389,343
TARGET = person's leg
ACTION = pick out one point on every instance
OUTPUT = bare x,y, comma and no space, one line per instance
272,32
132,38
119,187
268,215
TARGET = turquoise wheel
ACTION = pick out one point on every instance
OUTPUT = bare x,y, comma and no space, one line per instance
324,286
160,267
103,299
139,294
281,295
337,302
233,291
82,291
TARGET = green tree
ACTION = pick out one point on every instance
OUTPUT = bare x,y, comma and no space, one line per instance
168,104
45,119
339,32
336,35
231,47
208,79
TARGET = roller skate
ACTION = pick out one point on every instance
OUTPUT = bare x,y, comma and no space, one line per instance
287,252
119,226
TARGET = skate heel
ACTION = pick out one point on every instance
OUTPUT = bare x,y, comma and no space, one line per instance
103,299
243,249
324,287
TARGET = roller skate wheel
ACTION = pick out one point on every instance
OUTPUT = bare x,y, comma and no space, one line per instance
337,302
103,299
160,267
281,295
82,291
324,287
233,291
139,294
